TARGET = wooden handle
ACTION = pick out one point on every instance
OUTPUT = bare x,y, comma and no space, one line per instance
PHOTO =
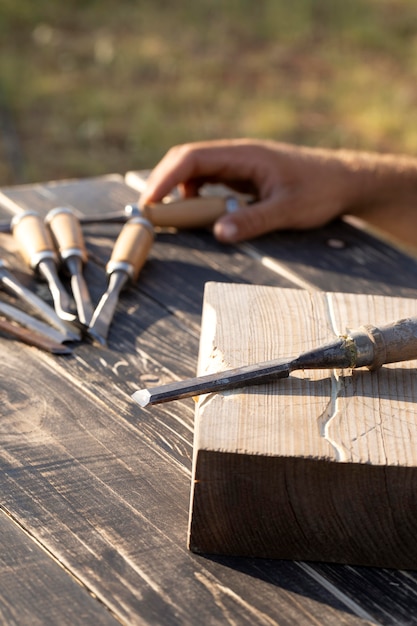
132,246
395,342
32,237
189,213
66,231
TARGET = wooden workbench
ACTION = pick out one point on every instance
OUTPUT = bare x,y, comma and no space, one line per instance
95,490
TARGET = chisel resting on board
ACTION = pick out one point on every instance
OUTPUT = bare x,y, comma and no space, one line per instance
368,346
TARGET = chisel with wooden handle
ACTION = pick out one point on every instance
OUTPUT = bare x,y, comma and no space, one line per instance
37,249
127,259
368,346
188,213
69,241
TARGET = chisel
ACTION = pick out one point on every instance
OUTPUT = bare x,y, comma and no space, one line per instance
37,249
36,304
33,338
368,346
34,325
188,213
198,212
69,241
127,259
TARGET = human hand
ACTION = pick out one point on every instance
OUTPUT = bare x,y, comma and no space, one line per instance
295,187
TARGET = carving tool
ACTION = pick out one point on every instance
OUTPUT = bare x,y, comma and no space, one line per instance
368,346
37,249
127,259
36,304
33,338
33,324
69,241
198,212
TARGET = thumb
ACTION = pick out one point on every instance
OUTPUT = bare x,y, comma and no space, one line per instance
250,221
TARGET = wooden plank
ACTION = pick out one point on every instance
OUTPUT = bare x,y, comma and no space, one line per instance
35,589
104,485
320,466
110,501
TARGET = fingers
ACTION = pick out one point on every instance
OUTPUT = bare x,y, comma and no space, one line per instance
190,165
254,220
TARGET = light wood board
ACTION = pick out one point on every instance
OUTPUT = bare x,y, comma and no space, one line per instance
319,466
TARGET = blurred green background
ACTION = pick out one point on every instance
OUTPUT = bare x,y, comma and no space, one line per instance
89,87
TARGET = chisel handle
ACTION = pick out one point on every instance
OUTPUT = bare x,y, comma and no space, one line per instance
67,233
34,240
394,342
198,212
132,247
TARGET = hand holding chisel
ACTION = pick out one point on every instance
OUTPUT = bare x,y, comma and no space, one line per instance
368,346
127,259
68,237
37,249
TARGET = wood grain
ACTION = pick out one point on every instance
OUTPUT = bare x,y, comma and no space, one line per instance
320,466
103,487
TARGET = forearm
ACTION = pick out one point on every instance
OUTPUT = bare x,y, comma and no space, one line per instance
382,190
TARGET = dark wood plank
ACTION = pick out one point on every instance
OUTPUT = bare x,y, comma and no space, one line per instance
339,257
35,589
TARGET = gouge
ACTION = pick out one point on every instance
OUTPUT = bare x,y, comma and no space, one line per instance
127,259
368,346
35,304
37,249
69,241
198,212
33,324
33,338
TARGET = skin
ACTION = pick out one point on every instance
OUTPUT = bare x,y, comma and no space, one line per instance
296,187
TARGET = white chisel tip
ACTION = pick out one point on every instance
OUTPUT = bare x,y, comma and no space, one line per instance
142,397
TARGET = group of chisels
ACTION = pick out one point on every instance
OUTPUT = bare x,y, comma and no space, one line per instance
56,243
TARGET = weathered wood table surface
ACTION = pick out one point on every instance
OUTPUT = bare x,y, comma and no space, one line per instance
95,490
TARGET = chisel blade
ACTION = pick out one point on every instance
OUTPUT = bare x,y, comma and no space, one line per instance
104,312
33,338
220,381
31,323
36,304
80,291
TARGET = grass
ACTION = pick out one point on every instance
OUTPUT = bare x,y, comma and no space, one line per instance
92,86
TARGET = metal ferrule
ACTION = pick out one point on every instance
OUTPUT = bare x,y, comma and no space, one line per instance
69,252
133,210
20,216
365,348
57,211
232,204
38,257
139,219
120,266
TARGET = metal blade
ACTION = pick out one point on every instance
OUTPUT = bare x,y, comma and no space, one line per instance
33,338
79,290
35,303
62,301
103,315
220,381
33,324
